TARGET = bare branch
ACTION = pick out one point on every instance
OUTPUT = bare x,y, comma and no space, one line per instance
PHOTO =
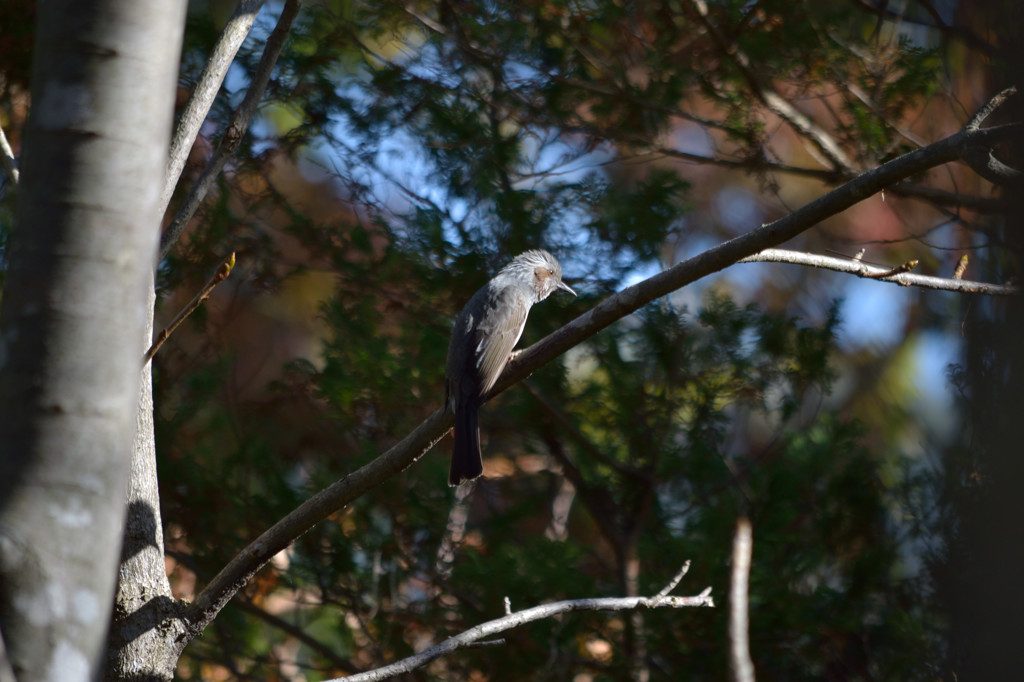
237,126
222,272
741,668
7,157
897,275
517,619
990,106
664,592
865,99
201,99
775,102
404,453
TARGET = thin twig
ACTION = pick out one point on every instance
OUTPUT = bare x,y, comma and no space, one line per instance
897,275
980,157
222,272
519,618
741,668
236,128
676,579
7,157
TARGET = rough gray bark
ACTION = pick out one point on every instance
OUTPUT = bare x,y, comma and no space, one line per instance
199,102
73,319
145,622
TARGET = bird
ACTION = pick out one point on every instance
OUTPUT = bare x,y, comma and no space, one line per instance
482,340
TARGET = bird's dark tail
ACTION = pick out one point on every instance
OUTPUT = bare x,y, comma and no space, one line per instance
466,461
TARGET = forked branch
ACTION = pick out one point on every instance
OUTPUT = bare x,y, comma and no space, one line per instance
516,619
897,275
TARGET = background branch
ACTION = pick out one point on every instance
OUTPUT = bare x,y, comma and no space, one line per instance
862,269
514,620
7,157
741,668
205,92
222,272
236,128
775,103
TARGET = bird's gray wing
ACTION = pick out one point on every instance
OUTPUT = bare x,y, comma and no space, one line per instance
496,341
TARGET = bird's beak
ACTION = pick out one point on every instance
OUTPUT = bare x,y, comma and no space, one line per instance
565,287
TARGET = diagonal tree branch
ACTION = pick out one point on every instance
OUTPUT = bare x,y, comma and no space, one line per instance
201,99
862,269
519,618
7,158
219,275
741,667
236,128
990,106
418,442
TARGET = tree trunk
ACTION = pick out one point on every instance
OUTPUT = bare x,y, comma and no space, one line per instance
146,623
73,320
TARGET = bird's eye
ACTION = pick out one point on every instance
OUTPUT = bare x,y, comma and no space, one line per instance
551,272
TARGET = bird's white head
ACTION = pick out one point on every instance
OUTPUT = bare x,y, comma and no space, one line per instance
541,270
